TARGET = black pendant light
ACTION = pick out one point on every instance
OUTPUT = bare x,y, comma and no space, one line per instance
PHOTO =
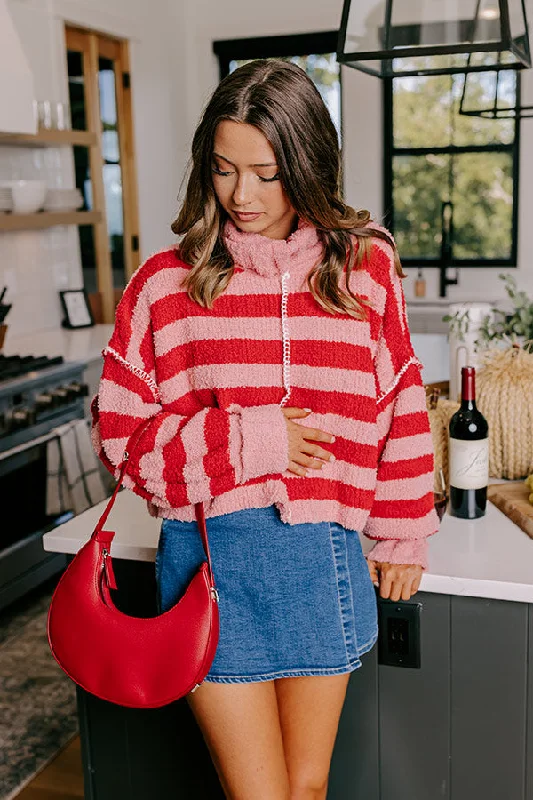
493,95
395,38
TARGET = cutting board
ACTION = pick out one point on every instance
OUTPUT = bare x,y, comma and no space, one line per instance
512,500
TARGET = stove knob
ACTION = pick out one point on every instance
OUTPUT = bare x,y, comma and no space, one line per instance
60,395
44,402
22,418
78,389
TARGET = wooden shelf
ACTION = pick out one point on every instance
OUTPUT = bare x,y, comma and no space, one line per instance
48,138
47,219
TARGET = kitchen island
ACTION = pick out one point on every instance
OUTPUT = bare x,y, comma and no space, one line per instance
458,726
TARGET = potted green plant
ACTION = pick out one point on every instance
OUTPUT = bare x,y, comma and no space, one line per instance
512,326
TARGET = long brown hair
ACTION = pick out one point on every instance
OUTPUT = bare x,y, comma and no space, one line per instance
306,147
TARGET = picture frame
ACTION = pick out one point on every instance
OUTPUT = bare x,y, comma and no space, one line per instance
76,309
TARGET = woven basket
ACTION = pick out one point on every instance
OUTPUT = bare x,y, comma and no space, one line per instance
504,388
439,420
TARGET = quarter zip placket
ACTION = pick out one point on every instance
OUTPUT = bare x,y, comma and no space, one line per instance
285,336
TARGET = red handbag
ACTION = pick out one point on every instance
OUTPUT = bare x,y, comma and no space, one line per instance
131,661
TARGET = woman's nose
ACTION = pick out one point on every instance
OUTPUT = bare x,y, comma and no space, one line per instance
243,193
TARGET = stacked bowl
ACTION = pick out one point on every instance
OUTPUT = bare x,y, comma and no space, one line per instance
63,200
6,199
27,197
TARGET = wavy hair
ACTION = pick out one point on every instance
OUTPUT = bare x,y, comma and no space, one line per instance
306,147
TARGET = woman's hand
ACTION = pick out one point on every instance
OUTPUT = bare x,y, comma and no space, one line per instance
395,581
304,453
152,509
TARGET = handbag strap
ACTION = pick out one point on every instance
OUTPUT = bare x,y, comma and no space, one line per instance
198,508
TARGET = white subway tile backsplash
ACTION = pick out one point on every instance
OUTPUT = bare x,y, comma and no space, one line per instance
36,265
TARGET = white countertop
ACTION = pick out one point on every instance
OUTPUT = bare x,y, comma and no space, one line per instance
84,344
488,557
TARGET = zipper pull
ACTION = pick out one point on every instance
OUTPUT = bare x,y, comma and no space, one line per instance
108,570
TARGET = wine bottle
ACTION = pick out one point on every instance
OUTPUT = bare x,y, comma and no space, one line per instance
468,453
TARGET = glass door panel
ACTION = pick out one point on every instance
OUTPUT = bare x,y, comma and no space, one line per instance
79,117
112,170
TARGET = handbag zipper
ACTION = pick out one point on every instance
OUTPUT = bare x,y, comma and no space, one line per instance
107,566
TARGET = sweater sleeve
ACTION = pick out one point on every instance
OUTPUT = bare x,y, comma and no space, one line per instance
180,459
403,514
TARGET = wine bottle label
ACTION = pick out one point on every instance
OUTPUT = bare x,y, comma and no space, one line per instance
469,463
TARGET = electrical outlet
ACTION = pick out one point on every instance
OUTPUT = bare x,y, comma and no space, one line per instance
399,633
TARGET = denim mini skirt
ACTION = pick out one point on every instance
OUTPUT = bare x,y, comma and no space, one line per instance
294,599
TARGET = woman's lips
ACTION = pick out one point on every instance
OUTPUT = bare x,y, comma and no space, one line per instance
247,216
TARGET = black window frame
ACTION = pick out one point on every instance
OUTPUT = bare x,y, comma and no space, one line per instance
293,44
389,151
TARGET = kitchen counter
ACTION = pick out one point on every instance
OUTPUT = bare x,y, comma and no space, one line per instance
489,557
83,344
86,344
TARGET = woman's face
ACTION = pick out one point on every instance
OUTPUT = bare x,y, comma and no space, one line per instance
247,183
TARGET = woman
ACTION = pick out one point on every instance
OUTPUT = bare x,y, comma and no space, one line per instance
271,351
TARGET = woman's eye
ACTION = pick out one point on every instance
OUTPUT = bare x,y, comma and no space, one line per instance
219,171
270,180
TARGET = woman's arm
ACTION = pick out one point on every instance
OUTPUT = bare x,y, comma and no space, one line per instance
180,459
403,513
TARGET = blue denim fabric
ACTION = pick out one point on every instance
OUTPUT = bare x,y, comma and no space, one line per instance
294,599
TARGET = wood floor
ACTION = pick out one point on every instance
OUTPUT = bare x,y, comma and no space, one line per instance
62,779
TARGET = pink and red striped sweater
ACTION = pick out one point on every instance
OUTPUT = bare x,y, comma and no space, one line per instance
213,383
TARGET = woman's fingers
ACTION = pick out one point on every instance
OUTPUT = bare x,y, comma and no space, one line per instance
312,434
398,581
309,433
317,452
316,435
374,576
307,461
294,413
296,468
304,454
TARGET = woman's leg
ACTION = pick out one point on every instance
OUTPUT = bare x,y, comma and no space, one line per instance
241,727
309,712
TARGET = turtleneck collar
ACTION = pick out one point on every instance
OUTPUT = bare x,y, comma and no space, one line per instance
272,257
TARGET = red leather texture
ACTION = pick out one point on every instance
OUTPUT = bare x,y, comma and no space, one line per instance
131,661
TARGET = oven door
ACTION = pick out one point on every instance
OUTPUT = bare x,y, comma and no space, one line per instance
24,564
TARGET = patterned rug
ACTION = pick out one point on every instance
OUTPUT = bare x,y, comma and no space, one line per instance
37,700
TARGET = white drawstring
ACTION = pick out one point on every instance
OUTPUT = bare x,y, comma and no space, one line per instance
285,337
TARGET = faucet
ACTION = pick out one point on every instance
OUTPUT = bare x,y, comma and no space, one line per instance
446,250
445,281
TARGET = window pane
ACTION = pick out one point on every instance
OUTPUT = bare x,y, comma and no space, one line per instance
483,205
421,111
426,110
76,90
481,88
324,71
420,186
426,115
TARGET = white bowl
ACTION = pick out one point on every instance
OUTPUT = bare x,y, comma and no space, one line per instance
28,196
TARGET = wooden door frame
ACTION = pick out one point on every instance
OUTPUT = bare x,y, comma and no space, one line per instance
93,44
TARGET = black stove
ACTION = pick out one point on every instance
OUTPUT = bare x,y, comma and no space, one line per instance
16,366
38,393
